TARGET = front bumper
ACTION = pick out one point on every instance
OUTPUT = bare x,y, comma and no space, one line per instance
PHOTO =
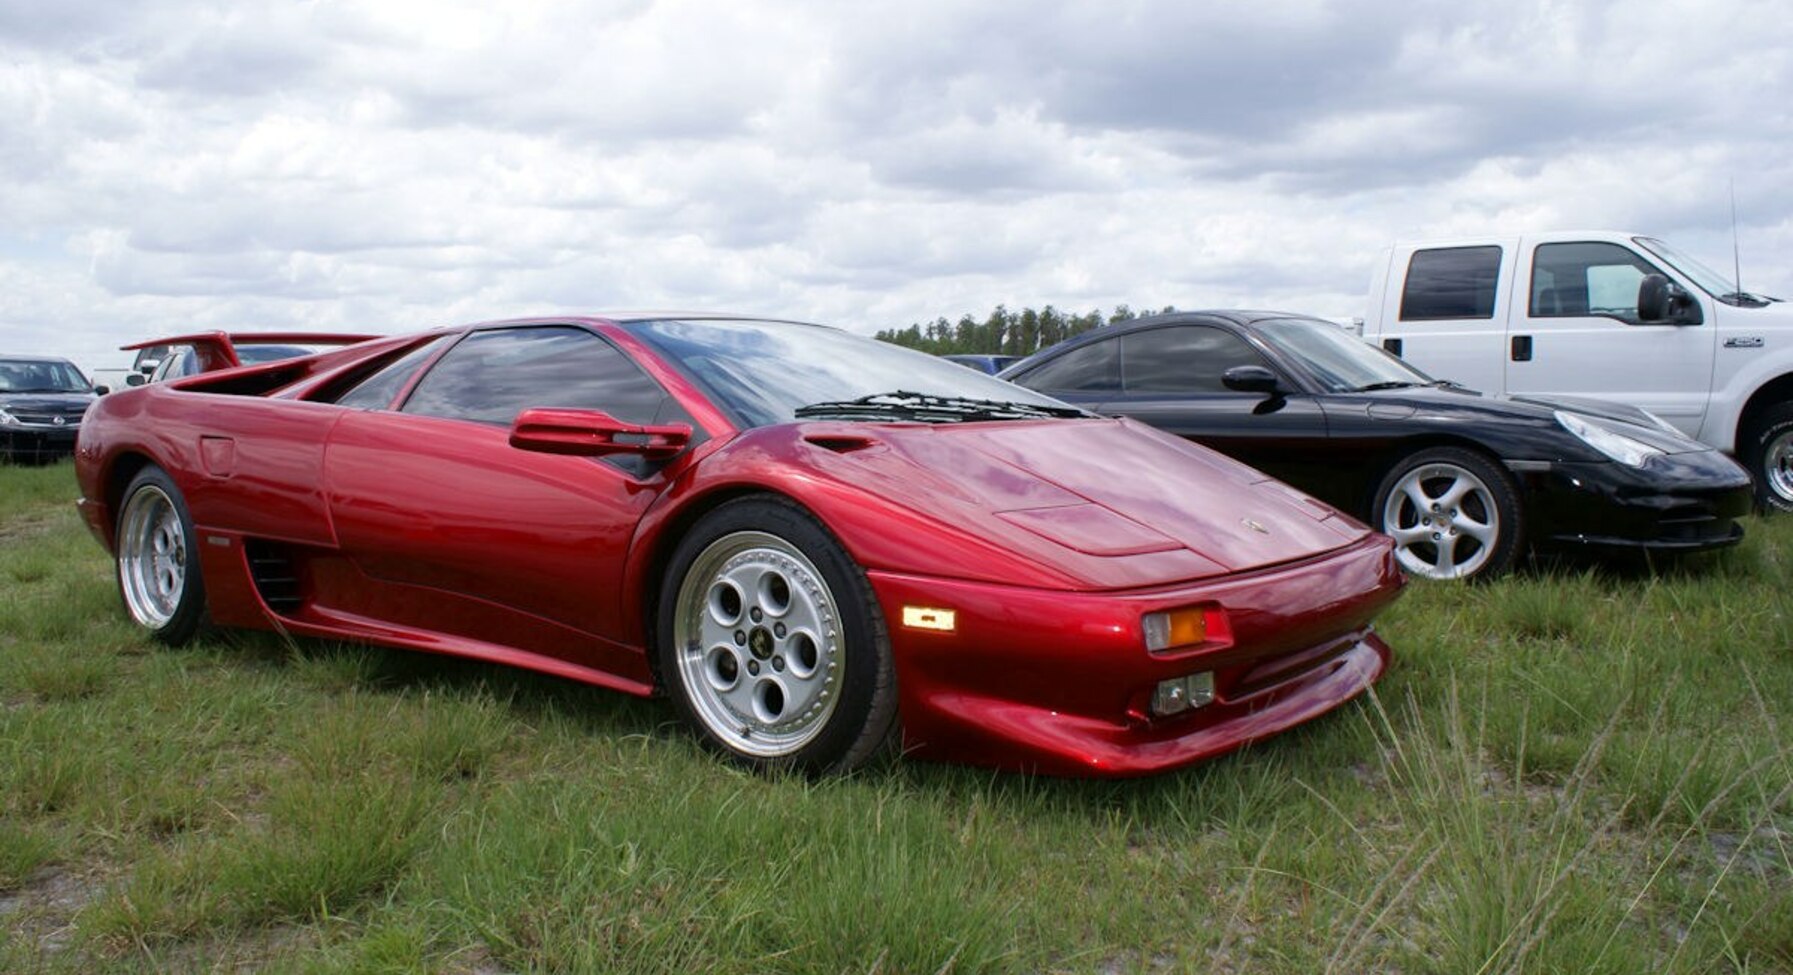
1674,503
33,442
1060,682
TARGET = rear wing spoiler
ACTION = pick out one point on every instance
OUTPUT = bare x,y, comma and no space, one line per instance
218,350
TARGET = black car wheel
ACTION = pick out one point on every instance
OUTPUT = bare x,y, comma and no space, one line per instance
158,561
1453,513
1768,453
771,643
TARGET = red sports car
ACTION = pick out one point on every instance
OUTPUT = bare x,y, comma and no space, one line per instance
807,538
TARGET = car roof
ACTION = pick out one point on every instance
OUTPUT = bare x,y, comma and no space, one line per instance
33,358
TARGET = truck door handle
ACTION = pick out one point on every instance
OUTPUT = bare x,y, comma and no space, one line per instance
1392,345
1522,348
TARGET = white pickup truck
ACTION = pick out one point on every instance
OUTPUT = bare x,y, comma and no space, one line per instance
1613,315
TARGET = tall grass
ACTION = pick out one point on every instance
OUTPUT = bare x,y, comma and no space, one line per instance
1579,769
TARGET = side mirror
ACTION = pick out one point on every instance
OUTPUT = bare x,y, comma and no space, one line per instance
1662,300
136,379
1250,379
594,433
101,390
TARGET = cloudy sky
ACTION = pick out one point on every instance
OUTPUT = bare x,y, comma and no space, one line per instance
169,165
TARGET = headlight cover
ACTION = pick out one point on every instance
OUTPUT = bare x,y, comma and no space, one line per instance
8,420
1631,453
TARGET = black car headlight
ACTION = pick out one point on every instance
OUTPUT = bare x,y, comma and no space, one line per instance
8,420
1612,443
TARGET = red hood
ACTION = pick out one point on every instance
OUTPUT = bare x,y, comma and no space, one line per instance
1097,503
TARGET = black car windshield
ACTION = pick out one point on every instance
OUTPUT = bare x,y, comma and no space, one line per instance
1340,361
765,372
41,376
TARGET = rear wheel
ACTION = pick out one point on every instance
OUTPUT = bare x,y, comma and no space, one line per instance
158,567
771,644
1768,453
1453,513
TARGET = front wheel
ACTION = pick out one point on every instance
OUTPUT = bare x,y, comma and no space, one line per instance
158,567
1453,513
771,644
1768,453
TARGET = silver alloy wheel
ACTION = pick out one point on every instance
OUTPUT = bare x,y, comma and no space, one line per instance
1777,465
759,644
152,556
1436,512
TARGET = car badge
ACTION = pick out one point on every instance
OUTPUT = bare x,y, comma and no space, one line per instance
1254,526
58,421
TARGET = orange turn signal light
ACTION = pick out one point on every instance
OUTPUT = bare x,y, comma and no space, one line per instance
1187,626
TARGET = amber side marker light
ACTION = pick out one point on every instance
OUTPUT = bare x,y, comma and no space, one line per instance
928,618
1185,628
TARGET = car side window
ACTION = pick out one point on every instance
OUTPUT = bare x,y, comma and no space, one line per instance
1091,368
1589,278
1182,359
491,376
377,391
1451,283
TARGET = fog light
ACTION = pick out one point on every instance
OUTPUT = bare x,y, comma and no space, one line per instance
1181,694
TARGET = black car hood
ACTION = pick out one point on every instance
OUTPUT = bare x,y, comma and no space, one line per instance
1628,420
63,403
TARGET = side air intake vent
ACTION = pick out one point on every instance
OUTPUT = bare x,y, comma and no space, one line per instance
276,577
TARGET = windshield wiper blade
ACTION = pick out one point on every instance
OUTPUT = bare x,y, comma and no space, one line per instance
1388,384
921,407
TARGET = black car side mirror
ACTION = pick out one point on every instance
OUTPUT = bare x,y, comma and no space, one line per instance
1662,300
136,379
101,390
1250,379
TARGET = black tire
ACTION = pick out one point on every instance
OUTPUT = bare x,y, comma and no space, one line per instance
1479,537
1767,450
157,558
771,644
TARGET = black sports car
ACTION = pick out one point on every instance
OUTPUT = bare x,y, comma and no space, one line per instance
1462,481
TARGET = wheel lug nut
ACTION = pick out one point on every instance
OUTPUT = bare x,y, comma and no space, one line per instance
778,630
740,638
753,667
778,664
756,614
1435,536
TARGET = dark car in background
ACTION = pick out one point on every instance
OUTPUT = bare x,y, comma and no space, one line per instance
1463,482
42,400
987,364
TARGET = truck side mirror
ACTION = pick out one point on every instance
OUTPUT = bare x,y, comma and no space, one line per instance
1662,300
136,379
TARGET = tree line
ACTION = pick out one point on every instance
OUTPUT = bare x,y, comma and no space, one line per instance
1005,332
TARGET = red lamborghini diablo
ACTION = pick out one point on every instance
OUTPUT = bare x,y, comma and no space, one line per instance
808,539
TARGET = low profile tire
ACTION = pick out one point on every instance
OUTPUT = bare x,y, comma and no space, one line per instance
771,644
1768,453
158,560
1453,513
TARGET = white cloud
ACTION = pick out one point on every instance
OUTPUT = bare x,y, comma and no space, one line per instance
386,166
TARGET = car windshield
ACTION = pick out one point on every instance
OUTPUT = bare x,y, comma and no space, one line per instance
1709,281
765,372
41,376
1339,360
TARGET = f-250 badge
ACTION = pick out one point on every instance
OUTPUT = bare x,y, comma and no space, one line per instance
1745,342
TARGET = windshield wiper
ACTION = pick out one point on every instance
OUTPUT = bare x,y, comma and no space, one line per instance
1389,384
923,408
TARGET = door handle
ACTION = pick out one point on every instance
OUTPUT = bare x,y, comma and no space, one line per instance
1522,348
1392,345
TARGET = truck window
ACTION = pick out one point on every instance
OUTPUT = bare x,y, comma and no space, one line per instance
1450,283
1587,278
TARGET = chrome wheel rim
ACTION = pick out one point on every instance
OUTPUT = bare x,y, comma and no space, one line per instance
759,644
1444,521
152,556
1777,464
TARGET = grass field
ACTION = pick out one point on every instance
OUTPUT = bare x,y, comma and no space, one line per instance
1568,771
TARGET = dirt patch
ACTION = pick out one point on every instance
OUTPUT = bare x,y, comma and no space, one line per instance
42,912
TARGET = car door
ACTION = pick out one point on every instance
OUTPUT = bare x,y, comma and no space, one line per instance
1579,333
1171,379
1449,318
431,497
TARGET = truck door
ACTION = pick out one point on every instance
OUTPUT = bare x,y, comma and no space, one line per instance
1444,311
1576,330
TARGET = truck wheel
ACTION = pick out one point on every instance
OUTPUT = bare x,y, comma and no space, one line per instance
1453,513
1768,453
